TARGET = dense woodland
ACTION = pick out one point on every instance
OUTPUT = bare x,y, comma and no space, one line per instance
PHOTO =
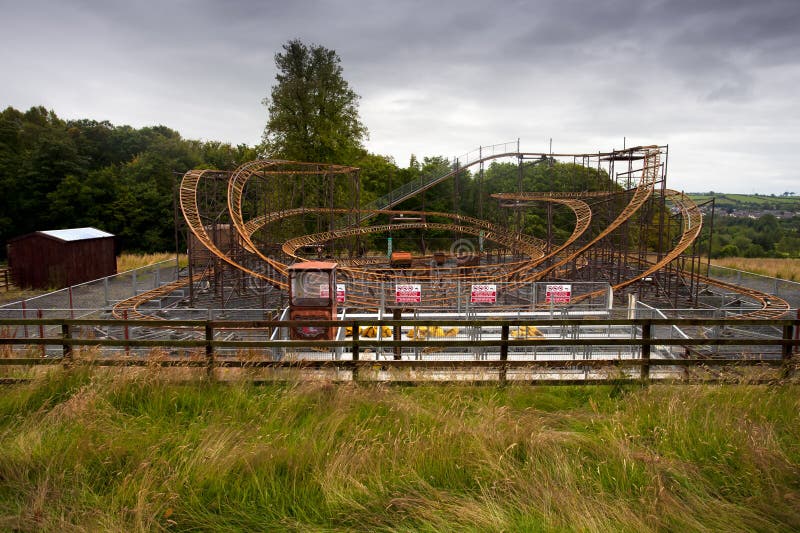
765,236
58,173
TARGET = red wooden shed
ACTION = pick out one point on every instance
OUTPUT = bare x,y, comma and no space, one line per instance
59,258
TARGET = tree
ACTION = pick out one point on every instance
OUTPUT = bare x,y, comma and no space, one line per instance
313,113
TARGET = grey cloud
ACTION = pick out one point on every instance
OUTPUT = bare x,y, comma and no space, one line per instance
733,91
437,77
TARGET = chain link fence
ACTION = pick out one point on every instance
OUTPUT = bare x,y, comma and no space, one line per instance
788,290
93,297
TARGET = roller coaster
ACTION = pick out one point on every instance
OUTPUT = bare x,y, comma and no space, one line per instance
636,234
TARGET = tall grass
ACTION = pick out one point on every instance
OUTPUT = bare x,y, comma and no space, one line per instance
782,268
88,451
129,261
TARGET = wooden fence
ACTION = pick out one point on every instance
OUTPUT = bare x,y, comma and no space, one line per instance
205,348
5,279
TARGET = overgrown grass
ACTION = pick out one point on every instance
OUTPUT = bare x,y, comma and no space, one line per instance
14,293
88,451
788,269
128,261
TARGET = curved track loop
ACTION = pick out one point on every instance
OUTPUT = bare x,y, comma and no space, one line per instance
236,186
583,217
191,212
531,246
650,173
692,223
291,245
129,308
772,307
642,193
567,253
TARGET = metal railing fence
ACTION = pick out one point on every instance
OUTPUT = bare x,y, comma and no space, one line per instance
99,293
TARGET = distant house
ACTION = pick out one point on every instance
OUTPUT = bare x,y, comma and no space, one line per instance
59,258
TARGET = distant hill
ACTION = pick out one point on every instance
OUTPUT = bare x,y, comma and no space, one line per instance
748,202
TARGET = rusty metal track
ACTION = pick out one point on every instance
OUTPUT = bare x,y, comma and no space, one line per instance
191,213
129,308
564,256
583,218
692,223
493,233
641,194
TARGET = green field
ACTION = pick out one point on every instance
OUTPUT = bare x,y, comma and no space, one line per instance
90,452
748,201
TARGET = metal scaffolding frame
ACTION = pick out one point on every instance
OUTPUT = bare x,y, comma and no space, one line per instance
246,226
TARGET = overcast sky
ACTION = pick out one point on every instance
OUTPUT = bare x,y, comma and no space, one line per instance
716,80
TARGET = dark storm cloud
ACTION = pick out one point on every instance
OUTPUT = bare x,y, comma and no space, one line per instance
715,79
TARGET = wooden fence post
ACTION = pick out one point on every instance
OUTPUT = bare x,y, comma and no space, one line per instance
786,352
24,309
355,350
209,351
41,332
646,336
397,314
504,330
66,349
126,332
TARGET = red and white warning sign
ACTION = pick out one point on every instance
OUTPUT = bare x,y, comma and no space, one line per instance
410,293
324,290
341,293
558,294
483,294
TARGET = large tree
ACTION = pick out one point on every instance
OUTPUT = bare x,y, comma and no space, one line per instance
313,112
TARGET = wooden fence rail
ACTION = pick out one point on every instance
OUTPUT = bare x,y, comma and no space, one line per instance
208,346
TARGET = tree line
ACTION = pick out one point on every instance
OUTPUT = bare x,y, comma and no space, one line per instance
765,236
57,173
